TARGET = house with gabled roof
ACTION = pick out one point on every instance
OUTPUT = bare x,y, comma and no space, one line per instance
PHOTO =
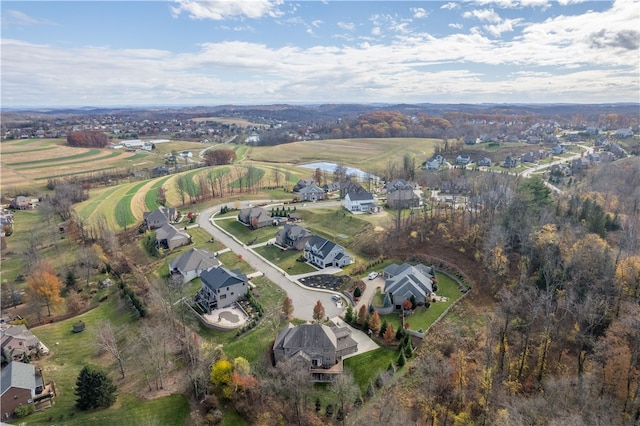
324,253
160,216
292,237
255,217
463,159
318,347
19,384
17,342
403,199
405,281
190,264
303,183
360,202
399,184
350,187
220,288
311,193
169,237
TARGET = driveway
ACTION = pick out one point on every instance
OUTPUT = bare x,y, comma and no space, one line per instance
367,296
365,344
303,299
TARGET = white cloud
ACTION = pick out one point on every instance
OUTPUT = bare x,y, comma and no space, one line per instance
419,13
347,26
456,26
376,31
486,15
504,26
317,23
451,5
17,18
221,9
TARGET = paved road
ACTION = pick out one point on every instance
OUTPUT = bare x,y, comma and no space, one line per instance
304,299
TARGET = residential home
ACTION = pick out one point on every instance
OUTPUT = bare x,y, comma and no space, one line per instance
160,216
607,156
21,203
324,253
399,184
617,150
17,341
406,280
255,217
463,159
160,171
169,237
293,217
292,237
431,164
311,193
512,138
20,385
560,169
558,149
484,162
350,187
532,156
319,347
192,263
360,202
580,163
510,162
534,140
403,199
303,183
331,187
221,288
623,133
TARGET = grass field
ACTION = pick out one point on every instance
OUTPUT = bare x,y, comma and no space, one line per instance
244,233
285,259
371,155
365,367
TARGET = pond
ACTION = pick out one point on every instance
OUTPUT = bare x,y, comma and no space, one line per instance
330,167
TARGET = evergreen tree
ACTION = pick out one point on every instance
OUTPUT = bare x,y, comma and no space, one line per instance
400,333
408,349
94,389
349,315
401,360
71,280
383,327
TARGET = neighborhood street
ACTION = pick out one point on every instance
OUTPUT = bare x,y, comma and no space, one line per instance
304,299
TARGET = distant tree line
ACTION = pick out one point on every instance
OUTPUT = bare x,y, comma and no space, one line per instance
88,139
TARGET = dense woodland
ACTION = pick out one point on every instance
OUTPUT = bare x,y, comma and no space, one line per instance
88,139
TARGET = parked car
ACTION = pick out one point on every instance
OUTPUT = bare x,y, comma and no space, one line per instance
335,297
373,275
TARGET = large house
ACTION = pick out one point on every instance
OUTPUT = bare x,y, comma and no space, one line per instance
160,216
255,217
18,342
317,346
324,253
403,199
350,187
169,237
293,237
192,263
19,386
221,287
311,193
303,183
360,202
406,280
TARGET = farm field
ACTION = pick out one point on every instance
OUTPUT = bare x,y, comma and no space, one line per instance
368,154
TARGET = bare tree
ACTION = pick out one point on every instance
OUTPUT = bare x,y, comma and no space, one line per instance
108,342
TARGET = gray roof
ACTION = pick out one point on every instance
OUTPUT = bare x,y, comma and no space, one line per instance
311,189
249,214
402,194
360,196
307,336
18,375
407,280
194,260
216,278
168,232
161,214
322,246
293,232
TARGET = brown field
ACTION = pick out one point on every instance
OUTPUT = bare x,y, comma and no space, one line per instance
241,122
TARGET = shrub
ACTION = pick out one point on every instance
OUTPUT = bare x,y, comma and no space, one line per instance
24,410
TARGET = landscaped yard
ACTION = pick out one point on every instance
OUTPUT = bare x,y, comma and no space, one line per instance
285,259
365,367
230,260
423,317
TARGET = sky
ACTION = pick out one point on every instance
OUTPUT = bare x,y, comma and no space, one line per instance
130,53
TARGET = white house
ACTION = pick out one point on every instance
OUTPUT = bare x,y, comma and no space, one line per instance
360,202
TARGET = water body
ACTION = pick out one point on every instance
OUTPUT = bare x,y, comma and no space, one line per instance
330,167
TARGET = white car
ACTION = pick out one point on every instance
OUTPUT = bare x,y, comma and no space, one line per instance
373,275
335,297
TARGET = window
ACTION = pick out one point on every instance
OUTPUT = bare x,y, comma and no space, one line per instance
223,296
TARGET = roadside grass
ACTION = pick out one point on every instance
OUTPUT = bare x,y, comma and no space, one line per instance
366,366
285,259
423,317
244,233
230,260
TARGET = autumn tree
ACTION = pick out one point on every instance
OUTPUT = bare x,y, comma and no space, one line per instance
627,277
44,287
221,376
287,307
214,157
344,389
87,139
318,311
362,315
389,334
374,322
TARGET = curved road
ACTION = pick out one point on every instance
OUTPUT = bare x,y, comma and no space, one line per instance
304,299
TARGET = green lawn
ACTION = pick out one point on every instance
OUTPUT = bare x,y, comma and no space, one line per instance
151,197
245,234
366,366
201,239
285,259
124,215
230,260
